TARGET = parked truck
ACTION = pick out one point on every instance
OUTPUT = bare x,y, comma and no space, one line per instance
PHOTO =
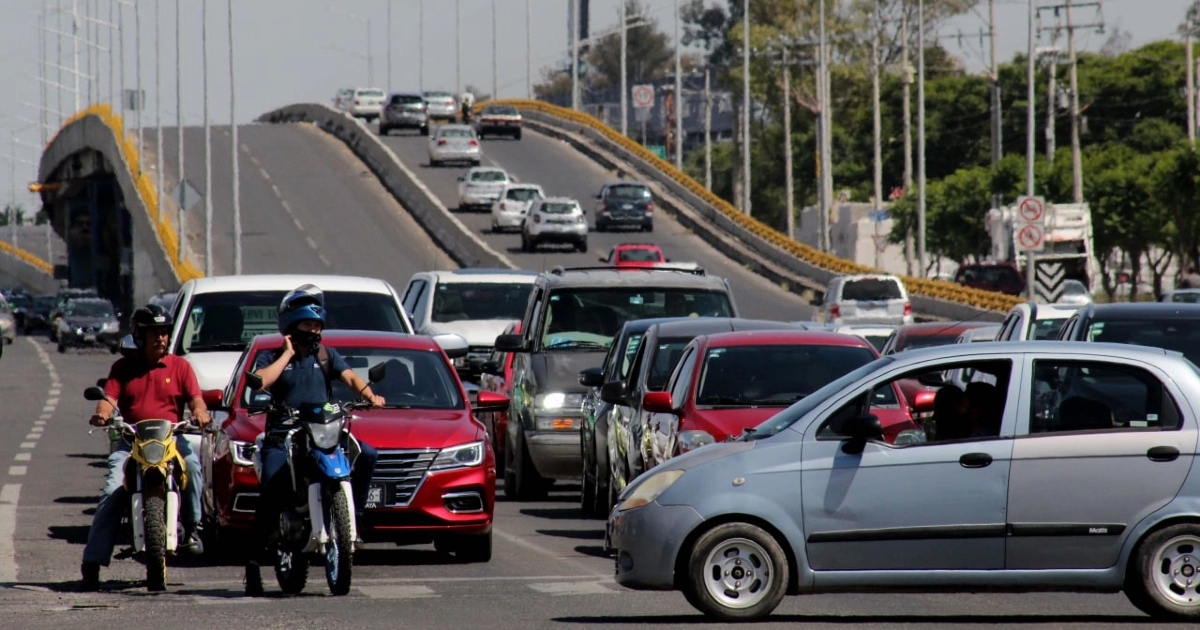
1068,241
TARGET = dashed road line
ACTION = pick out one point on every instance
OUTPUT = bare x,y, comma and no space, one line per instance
22,457
265,174
28,444
9,495
17,471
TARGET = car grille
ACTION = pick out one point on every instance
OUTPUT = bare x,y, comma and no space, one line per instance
90,329
400,474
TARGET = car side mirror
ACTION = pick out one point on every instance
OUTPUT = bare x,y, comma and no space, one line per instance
490,401
613,392
592,377
377,373
512,343
101,382
932,379
658,402
259,401
599,196
923,402
490,367
858,430
254,381
94,394
453,345
603,259
212,398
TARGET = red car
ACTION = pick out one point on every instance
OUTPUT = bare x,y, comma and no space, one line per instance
436,476
1003,277
496,376
636,255
924,335
728,382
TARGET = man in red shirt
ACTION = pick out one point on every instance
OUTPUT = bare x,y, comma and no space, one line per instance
150,385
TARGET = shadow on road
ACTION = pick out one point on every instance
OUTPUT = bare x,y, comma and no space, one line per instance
593,551
557,514
72,534
849,620
87,456
79,500
376,557
574,534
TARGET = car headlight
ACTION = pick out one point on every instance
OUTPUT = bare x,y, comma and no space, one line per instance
692,440
241,452
79,330
461,456
110,326
558,401
649,490
325,435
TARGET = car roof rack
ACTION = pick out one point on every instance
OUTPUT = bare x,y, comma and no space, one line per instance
696,271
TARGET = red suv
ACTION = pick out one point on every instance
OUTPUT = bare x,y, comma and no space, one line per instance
1002,277
436,476
635,255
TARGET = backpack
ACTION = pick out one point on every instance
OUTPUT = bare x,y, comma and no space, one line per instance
326,369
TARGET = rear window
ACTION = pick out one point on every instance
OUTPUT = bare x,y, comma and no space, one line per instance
1187,297
406,99
500,110
371,93
639,255
773,375
523,194
555,207
916,342
456,133
1046,328
489,176
628,193
872,289
438,96
1179,335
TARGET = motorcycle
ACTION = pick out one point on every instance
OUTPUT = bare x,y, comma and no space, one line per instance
154,475
317,515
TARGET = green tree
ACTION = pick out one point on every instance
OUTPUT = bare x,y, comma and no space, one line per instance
649,55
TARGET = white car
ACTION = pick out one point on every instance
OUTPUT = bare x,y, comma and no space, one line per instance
510,209
554,220
360,102
454,143
441,105
866,299
1074,293
476,304
876,335
1031,321
480,187
1187,296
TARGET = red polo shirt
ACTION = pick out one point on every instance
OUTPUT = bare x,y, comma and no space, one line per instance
156,392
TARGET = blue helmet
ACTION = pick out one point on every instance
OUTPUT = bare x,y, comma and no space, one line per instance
303,303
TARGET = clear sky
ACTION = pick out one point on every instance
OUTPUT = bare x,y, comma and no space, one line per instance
289,51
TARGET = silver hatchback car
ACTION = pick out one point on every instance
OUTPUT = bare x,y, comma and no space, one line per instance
1067,467
454,143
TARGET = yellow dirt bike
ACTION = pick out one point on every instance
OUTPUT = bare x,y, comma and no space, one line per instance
154,476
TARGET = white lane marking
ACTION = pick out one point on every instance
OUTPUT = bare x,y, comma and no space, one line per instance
28,444
17,471
287,206
22,457
54,391
48,409
275,189
39,422
51,402
413,591
325,260
33,436
264,173
299,226
10,493
585,571
571,588
43,418
312,243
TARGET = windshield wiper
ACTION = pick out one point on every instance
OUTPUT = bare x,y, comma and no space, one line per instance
576,344
210,347
780,401
723,400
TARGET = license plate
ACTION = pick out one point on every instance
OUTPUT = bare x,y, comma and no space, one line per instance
627,207
374,496
89,337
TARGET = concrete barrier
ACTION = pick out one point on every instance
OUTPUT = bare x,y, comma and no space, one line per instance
458,241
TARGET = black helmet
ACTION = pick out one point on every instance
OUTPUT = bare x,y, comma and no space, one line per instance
148,317
303,303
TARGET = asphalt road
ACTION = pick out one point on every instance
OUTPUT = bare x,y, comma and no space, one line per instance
563,171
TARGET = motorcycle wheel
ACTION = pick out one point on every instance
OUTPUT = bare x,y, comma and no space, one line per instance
154,514
339,549
291,571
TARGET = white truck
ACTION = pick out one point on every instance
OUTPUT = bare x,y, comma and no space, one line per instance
1068,252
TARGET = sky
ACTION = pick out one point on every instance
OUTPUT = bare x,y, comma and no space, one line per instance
289,51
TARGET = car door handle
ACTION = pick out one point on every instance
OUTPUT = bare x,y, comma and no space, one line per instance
1163,454
975,460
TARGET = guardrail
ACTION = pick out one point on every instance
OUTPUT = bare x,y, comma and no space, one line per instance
465,247
759,241
28,269
131,178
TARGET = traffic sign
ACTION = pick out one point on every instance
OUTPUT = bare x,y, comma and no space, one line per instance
1048,281
185,195
1031,238
1031,209
643,96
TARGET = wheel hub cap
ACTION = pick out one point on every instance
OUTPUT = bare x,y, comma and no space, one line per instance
1176,568
738,573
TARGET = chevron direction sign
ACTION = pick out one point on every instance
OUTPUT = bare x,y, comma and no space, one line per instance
1048,281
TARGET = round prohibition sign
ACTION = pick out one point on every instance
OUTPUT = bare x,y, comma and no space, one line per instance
1030,236
1031,210
643,96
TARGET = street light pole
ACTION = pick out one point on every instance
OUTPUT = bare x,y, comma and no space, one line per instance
158,135
921,254
624,70
458,47
495,54
529,49
233,133
826,115
1029,115
746,106
421,46
179,174
678,94
574,54
208,192
388,35
137,42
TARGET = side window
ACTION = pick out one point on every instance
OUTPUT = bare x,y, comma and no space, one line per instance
1070,396
412,294
1006,329
636,366
628,357
533,317
1068,329
681,379
937,410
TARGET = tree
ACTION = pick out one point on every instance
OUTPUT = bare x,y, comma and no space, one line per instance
649,54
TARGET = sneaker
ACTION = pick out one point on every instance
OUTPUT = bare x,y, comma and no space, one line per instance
254,583
91,576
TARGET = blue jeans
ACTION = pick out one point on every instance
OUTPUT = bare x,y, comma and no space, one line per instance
102,536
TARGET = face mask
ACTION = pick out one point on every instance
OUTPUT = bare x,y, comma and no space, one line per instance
306,338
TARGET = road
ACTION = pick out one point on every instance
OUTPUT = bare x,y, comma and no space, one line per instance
548,569
563,171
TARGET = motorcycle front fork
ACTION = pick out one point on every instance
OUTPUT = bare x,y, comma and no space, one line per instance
316,515
138,520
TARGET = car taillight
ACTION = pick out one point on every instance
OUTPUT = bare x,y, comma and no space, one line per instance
441,143
650,206
537,218
579,219
356,102
907,308
835,310
474,143
501,206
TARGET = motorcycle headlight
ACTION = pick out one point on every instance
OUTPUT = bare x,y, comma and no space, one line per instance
79,330
692,440
648,490
241,452
558,401
461,456
154,452
325,435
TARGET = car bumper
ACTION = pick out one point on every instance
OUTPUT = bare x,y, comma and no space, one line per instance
625,218
72,338
363,111
555,454
478,199
455,156
647,541
560,236
435,508
235,490
404,122
443,113
508,219
511,128
873,320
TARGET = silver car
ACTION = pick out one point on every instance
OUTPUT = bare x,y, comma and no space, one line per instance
8,323
480,187
866,299
454,143
441,105
1074,471
554,220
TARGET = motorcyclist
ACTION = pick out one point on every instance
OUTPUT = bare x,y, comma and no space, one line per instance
151,384
467,104
300,372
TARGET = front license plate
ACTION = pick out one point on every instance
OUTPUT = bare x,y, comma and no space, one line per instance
374,496
89,337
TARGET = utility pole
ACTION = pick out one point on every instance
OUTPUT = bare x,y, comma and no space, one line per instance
1030,149
1191,83
1068,12
113,95
789,190
458,47
826,136
233,133
877,125
1051,54
208,192
995,72
529,49
179,173
906,94
42,71
137,43
75,49
624,69
495,54
421,46
707,128
387,84
678,93
746,106
921,254
158,134
575,55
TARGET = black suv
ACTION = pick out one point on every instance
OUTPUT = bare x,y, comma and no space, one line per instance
571,321
625,204
1169,325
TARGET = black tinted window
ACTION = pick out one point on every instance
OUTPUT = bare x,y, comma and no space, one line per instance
1180,335
871,289
406,99
577,317
485,300
773,375
628,193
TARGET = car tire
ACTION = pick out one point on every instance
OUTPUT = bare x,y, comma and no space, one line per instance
649,227
434,163
424,131
383,131
527,484
62,349
473,549
1152,583
582,246
474,162
724,551
517,135
587,483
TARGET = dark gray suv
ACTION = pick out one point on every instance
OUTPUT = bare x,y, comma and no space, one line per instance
625,204
571,320
404,111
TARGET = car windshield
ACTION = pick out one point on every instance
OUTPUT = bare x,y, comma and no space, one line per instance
523,194
773,375
1179,335
587,319
1189,297
406,99
639,255
456,133
872,289
229,320
89,309
876,339
628,193
371,93
438,96
485,300
1046,328
789,416
500,110
558,207
489,176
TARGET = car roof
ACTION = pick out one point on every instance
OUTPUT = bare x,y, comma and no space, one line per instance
89,300
512,184
785,336
479,274
612,278
486,169
696,326
870,276
1049,311
340,338
287,282
637,246
1139,310
856,329
642,325
558,200
929,329
449,126
985,332
625,182
982,350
